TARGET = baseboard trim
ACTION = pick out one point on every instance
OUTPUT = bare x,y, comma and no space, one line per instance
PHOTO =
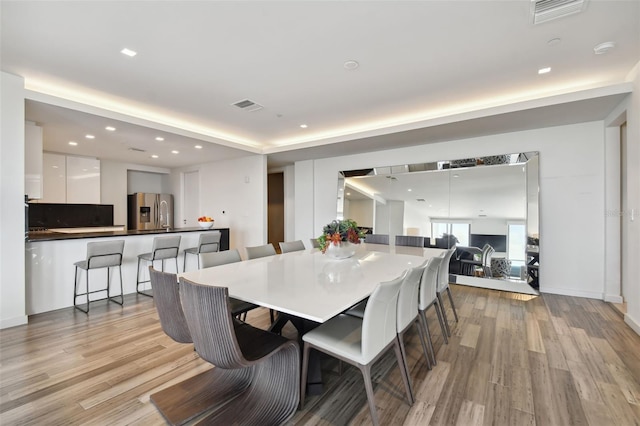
572,292
635,325
613,298
13,322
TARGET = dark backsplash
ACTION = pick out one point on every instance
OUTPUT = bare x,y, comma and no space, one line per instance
49,215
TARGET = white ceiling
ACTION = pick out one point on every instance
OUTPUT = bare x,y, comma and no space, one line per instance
424,65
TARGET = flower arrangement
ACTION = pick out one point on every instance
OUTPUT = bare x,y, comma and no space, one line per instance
338,231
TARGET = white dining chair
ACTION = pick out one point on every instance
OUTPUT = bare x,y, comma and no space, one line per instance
239,308
361,341
289,246
260,251
428,298
443,285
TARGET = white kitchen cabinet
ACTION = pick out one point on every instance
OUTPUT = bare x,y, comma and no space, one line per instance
33,160
83,180
55,178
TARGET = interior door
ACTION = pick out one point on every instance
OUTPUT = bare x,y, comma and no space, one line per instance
191,200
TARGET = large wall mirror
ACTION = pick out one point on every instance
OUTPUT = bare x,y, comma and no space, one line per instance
486,206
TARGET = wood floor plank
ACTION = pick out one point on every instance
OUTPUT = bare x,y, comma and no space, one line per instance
513,360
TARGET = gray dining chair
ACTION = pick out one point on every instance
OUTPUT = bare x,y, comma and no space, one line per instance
314,243
409,241
377,239
264,366
260,251
179,403
239,308
208,242
361,341
289,246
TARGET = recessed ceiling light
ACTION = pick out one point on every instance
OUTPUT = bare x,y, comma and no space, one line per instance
351,65
72,143
304,126
128,52
159,138
110,128
55,167
89,136
154,156
456,175
544,70
409,189
175,152
198,147
603,48
348,193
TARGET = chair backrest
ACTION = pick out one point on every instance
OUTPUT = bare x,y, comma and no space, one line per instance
260,251
408,297
165,247
486,260
208,260
209,242
210,322
409,241
377,239
379,321
286,247
166,296
443,272
314,242
102,254
429,283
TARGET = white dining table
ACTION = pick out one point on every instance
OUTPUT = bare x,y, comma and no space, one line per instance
308,284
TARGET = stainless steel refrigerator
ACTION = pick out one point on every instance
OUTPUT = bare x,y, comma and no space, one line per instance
150,211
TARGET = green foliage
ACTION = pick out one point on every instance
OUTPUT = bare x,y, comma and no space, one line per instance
338,231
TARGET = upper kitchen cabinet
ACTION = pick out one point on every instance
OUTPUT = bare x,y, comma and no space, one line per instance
83,180
33,160
55,178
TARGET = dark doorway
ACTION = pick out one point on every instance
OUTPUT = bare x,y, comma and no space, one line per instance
275,208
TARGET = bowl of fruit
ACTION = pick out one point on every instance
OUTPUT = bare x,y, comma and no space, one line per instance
205,222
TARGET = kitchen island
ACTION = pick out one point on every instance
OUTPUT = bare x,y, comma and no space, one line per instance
50,257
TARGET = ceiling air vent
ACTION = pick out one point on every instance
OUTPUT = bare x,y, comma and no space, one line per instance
247,105
420,200
137,149
547,10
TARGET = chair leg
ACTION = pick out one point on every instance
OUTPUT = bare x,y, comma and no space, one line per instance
303,376
138,280
425,328
176,259
75,293
121,302
368,386
421,334
453,307
404,365
444,314
403,371
184,262
436,305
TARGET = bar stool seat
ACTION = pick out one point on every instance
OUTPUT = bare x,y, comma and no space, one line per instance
100,254
163,248
208,242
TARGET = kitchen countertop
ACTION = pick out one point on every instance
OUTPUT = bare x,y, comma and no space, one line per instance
55,236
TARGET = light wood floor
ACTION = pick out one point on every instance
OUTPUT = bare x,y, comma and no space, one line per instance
513,360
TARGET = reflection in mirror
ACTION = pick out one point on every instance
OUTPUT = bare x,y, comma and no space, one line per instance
487,207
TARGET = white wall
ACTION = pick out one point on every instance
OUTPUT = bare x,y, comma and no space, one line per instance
489,226
114,185
155,183
12,150
631,250
234,194
361,211
571,195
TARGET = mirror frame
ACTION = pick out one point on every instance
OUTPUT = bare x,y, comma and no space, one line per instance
532,190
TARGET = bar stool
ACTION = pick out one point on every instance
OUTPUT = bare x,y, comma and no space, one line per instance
100,254
207,243
163,248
